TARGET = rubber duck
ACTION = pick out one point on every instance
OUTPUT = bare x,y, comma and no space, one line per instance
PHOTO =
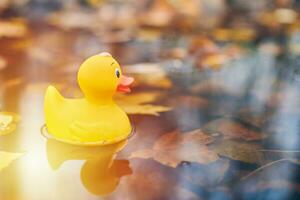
95,117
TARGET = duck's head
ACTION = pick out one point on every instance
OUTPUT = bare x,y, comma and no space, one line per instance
100,76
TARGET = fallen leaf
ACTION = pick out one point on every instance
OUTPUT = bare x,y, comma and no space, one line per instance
232,130
14,28
173,148
175,139
144,75
241,151
138,98
6,158
73,18
237,34
173,157
8,122
134,104
159,14
147,109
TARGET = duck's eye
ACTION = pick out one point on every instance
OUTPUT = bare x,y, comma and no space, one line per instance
118,73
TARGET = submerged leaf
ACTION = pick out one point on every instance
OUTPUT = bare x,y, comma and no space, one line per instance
173,148
6,158
8,122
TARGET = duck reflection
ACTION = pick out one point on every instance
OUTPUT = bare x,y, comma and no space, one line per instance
101,173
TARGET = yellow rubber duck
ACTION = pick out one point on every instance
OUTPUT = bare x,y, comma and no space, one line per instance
96,117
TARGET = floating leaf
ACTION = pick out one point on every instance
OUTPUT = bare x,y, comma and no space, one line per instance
232,130
73,18
134,104
159,15
138,98
6,158
13,28
8,122
173,148
143,75
147,109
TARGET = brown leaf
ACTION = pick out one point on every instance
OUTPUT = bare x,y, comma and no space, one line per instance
175,139
232,130
173,148
159,15
134,104
143,74
74,18
137,98
147,109
173,157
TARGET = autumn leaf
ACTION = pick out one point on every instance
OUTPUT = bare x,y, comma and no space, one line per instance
159,15
135,104
147,109
143,74
232,130
137,98
173,148
175,139
6,158
8,122
13,28
73,18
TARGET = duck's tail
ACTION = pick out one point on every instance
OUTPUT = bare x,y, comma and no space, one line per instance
53,100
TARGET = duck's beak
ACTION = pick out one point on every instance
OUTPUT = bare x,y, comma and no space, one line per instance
124,83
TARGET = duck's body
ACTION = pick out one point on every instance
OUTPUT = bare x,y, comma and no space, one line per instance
95,118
